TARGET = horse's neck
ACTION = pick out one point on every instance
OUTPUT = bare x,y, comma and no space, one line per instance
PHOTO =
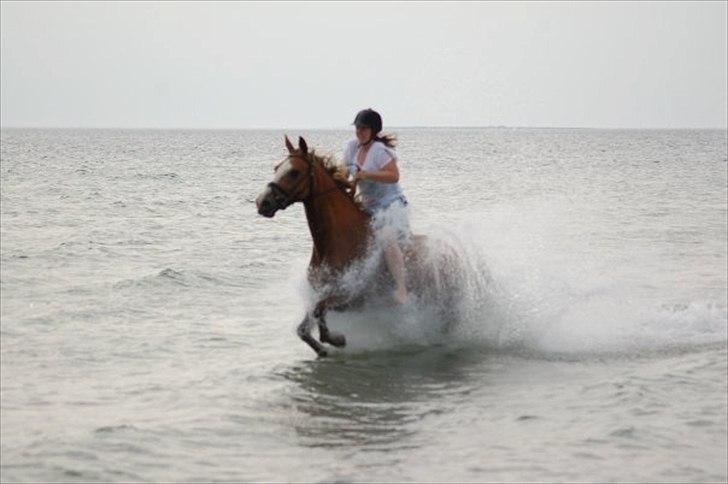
338,228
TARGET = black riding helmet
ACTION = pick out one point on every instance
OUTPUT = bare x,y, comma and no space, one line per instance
369,118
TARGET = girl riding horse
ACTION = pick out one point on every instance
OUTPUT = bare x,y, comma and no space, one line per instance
372,162
342,238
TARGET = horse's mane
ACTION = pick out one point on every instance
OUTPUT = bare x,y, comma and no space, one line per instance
337,171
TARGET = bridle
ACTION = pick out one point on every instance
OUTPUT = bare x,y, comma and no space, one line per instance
283,199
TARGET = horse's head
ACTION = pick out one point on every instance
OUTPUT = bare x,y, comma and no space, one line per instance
292,180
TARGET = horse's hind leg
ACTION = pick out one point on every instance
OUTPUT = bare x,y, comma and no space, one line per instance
304,332
326,336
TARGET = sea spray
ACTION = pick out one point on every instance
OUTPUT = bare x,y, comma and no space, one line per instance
555,294
534,302
458,300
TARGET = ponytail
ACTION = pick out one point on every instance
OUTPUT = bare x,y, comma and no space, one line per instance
389,140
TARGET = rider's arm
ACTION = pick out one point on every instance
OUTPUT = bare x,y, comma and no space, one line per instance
350,159
388,174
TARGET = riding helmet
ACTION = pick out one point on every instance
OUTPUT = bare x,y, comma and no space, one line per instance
369,118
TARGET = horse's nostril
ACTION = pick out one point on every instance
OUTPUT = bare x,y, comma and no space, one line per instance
266,208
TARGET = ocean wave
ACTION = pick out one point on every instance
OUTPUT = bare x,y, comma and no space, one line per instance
169,277
157,176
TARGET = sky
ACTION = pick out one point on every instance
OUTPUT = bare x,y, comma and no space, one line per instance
314,65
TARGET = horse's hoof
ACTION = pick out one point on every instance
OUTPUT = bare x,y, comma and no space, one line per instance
322,353
337,339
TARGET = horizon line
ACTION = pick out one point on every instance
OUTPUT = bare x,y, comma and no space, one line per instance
345,128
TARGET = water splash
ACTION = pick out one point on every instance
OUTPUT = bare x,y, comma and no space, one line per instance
516,291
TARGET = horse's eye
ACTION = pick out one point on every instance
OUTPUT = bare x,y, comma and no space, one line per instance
294,174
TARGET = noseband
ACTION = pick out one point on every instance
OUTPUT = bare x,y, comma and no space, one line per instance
283,199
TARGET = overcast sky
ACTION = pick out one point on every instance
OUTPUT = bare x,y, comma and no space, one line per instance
313,65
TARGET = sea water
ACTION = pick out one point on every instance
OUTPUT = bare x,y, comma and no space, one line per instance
148,313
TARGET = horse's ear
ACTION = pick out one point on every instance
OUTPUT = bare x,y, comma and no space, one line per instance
289,145
302,145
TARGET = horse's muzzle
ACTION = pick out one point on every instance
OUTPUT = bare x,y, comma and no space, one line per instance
266,208
266,204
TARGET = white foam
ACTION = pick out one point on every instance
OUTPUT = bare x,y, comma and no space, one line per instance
522,284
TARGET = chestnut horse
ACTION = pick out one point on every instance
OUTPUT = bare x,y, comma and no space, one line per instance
341,234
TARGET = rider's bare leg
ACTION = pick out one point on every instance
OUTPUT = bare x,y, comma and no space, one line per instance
395,263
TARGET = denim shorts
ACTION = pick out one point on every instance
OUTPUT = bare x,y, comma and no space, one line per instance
392,221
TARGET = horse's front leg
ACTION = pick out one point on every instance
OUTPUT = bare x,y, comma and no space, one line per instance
325,335
304,332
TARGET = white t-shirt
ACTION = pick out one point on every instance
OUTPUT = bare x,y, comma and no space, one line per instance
375,195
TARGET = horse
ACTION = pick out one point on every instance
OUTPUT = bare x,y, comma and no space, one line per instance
342,237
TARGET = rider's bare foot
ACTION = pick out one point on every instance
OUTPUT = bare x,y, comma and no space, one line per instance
400,295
